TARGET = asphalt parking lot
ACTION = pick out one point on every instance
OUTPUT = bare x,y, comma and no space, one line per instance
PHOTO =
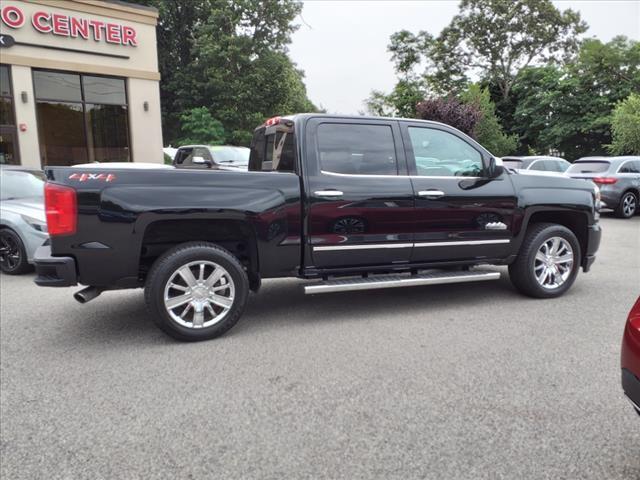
445,382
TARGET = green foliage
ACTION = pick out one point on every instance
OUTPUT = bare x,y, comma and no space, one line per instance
167,159
625,125
199,127
402,101
488,131
230,57
489,39
568,108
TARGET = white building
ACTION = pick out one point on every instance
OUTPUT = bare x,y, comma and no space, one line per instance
78,82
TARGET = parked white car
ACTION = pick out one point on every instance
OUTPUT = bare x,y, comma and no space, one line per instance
537,164
23,226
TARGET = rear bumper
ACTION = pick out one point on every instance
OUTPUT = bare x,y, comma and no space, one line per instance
593,243
54,271
631,387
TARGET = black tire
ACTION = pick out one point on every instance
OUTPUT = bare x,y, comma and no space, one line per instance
13,256
626,210
164,269
522,270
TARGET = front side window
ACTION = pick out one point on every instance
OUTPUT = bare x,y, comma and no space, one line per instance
441,154
561,165
81,118
541,166
354,149
182,155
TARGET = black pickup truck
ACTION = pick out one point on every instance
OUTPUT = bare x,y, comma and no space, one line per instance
348,203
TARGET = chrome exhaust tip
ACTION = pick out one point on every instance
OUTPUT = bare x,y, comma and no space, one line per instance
87,294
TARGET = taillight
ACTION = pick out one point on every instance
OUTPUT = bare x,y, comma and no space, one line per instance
60,208
605,180
272,121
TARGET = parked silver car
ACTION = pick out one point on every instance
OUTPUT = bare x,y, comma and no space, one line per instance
618,179
23,226
538,164
216,157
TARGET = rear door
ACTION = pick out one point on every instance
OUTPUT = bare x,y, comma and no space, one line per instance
460,213
359,196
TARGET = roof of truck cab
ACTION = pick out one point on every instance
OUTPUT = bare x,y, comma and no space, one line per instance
303,116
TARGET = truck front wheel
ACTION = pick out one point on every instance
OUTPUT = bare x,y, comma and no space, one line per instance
196,291
548,261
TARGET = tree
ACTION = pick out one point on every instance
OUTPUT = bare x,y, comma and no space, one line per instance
491,40
401,102
488,131
569,108
199,127
451,111
625,126
230,57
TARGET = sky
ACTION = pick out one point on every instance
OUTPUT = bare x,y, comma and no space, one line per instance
342,44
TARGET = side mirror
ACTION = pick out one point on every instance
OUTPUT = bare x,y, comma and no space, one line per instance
495,167
201,161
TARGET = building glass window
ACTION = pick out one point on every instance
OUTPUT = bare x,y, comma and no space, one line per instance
8,134
96,125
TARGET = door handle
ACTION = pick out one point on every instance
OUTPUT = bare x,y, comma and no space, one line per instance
328,193
431,193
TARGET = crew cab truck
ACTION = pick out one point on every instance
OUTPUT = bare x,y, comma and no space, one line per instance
346,203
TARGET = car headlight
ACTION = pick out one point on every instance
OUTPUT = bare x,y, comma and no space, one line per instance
34,223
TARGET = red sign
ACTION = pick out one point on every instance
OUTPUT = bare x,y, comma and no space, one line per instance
70,26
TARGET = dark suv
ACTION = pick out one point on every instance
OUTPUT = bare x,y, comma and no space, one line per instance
618,179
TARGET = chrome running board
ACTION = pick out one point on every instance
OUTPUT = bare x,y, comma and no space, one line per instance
400,280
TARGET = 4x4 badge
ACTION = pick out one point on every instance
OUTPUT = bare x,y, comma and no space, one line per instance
83,177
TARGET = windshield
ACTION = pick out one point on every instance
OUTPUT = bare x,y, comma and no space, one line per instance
18,184
235,155
589,167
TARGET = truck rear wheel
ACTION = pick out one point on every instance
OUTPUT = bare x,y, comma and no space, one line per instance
196,291
548,261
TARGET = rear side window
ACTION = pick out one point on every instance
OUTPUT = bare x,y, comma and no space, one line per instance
630,167
273,152
353,149
589,167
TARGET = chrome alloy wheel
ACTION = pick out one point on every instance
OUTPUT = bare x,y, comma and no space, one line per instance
199,294
553,263
9,252
629,205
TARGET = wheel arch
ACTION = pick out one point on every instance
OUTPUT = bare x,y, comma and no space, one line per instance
236,236
576,221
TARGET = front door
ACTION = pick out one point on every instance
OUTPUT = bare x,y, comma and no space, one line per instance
461,214
359,195
9,146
